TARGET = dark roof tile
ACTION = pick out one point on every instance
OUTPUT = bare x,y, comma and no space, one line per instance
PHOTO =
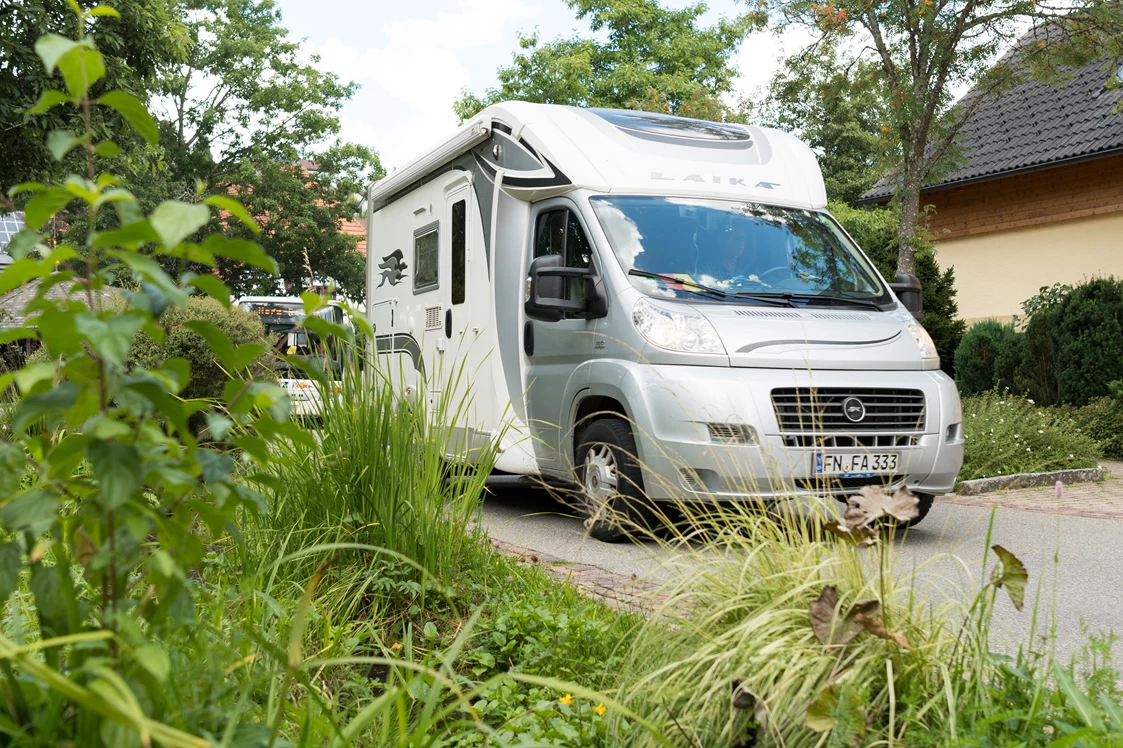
1034,124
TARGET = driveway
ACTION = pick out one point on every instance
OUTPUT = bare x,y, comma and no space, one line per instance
1075,562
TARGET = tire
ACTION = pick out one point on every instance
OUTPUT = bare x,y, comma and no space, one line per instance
926,500
610,483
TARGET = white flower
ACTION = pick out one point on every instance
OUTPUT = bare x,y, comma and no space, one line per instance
1071,457
1031,402
1028,449
1040,431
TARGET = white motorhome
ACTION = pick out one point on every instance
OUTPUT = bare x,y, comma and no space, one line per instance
621,284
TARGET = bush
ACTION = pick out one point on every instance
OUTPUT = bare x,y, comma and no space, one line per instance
1102,420
986,357
1007,434
207,376
1036,373
876,233
1088,340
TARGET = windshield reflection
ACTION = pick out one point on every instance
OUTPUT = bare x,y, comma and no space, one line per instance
735,247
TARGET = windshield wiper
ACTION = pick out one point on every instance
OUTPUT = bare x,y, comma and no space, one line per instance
779,299
866,303
672,279
810,298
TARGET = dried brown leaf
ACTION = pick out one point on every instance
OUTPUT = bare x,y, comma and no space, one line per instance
859,536
876,627
833,629
745,699
871,503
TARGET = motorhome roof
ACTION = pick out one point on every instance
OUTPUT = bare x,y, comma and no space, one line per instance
542,150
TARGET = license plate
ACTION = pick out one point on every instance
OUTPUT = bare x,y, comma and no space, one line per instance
856,464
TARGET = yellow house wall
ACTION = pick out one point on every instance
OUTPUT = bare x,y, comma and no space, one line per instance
997,271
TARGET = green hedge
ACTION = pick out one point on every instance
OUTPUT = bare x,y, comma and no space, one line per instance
986,358
1102,420
1088,340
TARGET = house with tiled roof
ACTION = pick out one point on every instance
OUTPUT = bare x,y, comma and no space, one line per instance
1037,197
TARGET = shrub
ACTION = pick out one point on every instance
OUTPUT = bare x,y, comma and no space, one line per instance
984,357
1102,420
1088,340
1036,373
876,233
207,375
1007,434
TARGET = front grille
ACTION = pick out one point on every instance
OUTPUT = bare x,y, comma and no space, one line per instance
818,410
851,440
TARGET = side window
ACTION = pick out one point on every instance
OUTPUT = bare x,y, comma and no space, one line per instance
549,236
425,259
459,251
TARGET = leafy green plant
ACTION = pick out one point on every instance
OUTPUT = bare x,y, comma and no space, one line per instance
1007,434
986,357
1088,340
1036,373
1102,420
103,482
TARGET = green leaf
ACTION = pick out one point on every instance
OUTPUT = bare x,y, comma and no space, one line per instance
218,425
212,286
219,344
111,340
1077,699
430,630
240,250
10,567
1011,574
59,143
155,660
246,354
102,10
234,208
48,99
175,221
51,47
107,149
33,374
65,458
44,205
117,468
33,511
81,67
178,369
255,447
60,399
135,113
13,463
47,589
22,243
216,466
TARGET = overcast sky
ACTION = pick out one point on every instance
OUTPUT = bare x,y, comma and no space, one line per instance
413,57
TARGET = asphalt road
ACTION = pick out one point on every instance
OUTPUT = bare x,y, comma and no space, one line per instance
1088,572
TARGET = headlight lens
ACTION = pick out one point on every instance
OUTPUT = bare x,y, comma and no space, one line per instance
925,344
675,330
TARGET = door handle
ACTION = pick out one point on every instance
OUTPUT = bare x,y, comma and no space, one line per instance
448,323
528,338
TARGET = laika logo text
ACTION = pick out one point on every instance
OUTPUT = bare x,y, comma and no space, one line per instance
712,179
392,267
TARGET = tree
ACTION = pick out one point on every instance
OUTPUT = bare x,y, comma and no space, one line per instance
926,49
836,110
652,58
243,110
134,46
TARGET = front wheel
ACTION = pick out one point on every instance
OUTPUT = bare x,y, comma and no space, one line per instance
611,483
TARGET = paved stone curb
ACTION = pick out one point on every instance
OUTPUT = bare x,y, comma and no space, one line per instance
617,590
1028,480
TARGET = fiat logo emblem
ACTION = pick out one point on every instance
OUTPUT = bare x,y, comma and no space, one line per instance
854,409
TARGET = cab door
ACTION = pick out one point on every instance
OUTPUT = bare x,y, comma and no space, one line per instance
555,351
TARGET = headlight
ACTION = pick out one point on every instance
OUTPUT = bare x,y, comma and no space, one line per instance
926,346
675,330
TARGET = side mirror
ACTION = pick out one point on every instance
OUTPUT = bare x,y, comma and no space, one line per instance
545,291
907,289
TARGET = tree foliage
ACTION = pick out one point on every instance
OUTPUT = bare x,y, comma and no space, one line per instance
641,55
836,110
924,50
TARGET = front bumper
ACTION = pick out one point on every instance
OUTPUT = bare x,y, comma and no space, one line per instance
671,407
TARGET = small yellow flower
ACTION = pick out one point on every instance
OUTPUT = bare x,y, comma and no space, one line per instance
600,710
567,699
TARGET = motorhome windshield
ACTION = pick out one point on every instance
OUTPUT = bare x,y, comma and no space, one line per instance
746,251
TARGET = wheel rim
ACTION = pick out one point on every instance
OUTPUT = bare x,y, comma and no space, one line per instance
601,476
